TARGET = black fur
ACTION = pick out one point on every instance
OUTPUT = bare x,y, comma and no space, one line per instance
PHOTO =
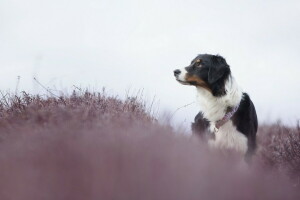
217,75
200,126
211,72
245,119
214,71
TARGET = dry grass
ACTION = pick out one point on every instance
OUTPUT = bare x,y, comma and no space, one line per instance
93,146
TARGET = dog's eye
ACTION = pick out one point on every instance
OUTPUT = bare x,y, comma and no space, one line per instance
197,63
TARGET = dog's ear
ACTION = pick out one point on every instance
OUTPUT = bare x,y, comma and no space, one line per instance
217,74
218,69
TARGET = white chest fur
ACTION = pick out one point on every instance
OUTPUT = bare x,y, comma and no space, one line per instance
214,109
228,137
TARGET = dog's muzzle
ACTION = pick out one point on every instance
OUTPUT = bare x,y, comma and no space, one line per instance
180,76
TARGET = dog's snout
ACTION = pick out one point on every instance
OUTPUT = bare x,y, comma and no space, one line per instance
177,72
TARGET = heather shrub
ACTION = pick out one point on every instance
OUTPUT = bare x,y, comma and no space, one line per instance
83,108
95,146
280,149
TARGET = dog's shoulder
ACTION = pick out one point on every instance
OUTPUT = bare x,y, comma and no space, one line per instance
200,125
245,117
245,120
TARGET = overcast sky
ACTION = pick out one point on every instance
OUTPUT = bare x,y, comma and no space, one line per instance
137,44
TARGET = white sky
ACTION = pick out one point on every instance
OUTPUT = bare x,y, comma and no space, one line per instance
137,45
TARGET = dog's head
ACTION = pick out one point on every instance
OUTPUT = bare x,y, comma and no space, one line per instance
206,71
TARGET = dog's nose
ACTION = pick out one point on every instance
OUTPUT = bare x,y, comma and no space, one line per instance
177,72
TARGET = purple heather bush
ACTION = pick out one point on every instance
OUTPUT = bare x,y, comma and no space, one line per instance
94,146
280,149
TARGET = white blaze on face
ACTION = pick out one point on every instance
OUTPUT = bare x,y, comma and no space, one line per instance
181,76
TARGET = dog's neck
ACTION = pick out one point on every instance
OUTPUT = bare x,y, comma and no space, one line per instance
215,108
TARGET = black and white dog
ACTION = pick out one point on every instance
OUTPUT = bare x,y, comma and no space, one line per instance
226,113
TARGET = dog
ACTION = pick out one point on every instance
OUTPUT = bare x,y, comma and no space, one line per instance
227,115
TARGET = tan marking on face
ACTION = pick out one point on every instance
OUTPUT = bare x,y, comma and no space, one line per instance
197,81
198,61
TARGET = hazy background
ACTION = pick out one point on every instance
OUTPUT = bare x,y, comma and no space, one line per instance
132,45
